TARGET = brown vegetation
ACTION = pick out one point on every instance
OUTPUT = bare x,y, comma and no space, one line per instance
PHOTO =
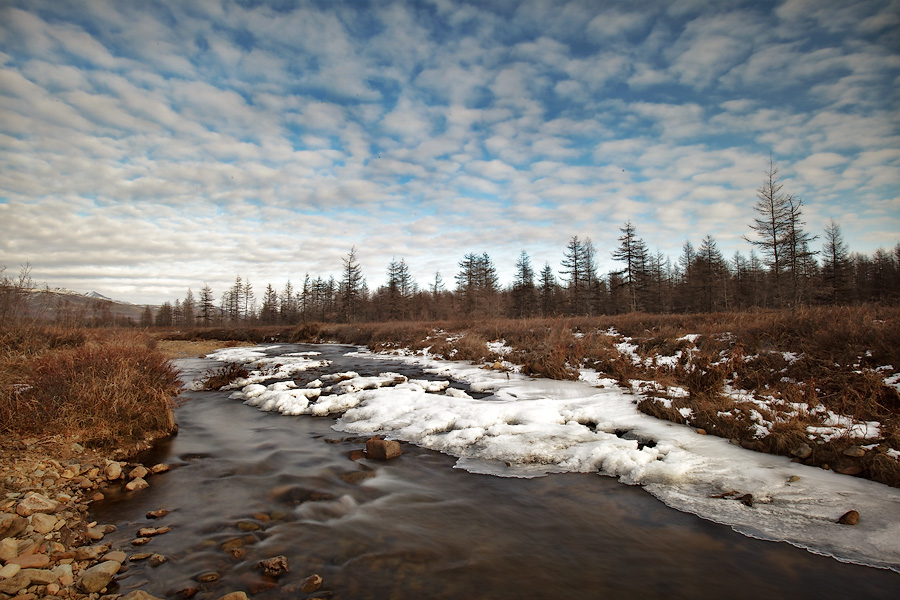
758,378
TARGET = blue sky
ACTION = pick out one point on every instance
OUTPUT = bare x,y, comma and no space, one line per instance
148,147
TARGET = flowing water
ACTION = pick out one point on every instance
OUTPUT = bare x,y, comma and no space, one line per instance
248,485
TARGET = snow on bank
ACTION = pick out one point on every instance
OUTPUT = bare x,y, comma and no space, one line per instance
529,427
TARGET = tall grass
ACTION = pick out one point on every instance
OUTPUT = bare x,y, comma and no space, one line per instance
103,388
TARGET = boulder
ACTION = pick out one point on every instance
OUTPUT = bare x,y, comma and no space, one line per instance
43,523
139,472
98,577
275,566
17,582
802,451
113,471
64,574
9,549
379,449
34,503
851,517
12,525
855,451
311,584
9,571
41,576
138,483
31,561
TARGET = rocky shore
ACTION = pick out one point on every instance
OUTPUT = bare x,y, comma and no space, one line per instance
48,547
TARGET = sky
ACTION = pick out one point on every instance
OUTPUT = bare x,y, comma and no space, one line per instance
148,147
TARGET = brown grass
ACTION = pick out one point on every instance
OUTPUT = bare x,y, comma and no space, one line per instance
104,388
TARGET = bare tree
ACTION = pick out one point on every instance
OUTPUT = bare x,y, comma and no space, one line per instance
770,226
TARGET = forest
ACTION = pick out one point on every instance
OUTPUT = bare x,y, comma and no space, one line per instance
785,269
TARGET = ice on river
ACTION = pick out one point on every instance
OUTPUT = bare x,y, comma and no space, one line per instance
530,427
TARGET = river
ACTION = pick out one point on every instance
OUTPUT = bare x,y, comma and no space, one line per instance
415,527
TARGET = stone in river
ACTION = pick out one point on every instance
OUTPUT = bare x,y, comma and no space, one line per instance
275,566
379,449
851,517
311,584
138,483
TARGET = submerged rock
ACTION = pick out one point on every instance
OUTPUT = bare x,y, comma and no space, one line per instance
802,451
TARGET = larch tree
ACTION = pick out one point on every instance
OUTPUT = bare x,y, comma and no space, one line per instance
206,307
770,225
351,285
523,290
633,252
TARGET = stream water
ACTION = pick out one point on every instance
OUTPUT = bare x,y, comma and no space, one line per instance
414,527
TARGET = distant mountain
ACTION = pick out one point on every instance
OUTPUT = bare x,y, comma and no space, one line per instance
55,304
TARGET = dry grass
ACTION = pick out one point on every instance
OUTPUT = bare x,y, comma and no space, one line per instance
104,388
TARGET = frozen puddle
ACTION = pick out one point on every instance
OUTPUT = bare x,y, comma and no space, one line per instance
531,427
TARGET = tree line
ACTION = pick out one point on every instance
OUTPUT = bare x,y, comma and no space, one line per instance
782,270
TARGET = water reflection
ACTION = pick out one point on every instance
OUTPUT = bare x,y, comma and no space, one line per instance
248,485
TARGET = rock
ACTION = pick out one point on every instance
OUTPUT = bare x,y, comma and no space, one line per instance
208,577
116,555
855,451
138,595
156,560
113,471
157,514
141,541
35,503
64,574
9,548
239,553
139,472
275,566
97,497
13,525
41,576
9,571
98,577
17,582
356,454
379,449
232,544
189,592
700,431
234,596
93,533
139,556
159,468
52,589
849,470
77,448
311,584
746,499
87,553
138,483
43,523
851,517
31,561
151,531
793,478
247,526
802,451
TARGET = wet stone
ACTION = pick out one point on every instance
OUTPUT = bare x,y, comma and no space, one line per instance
157,514
275,566
208,577
851,517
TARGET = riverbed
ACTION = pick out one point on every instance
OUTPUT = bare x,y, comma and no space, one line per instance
247,485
